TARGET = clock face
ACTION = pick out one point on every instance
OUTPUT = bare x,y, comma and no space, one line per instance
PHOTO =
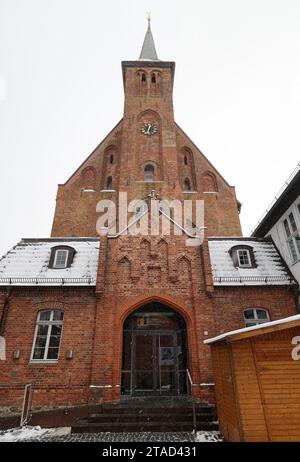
149,129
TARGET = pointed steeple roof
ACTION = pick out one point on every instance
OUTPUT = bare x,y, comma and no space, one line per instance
148,52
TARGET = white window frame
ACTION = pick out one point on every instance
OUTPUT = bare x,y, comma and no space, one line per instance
49,323
256,321
243,265
66,251
291,240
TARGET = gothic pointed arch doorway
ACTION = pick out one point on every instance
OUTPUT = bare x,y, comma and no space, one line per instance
154,359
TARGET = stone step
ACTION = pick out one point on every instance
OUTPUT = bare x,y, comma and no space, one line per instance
210,410
156,418
145,417
88,427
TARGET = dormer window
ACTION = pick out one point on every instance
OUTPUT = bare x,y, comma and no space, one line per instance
61,257
243,256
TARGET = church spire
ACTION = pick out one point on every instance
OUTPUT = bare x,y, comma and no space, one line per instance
148,52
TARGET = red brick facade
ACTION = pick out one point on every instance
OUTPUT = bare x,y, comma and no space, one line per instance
132,270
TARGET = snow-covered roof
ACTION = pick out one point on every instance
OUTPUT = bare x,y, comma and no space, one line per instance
26,264
270,269
260,327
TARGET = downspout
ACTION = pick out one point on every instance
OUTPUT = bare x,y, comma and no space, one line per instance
5,311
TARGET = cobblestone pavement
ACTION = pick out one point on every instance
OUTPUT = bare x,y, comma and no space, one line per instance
128,437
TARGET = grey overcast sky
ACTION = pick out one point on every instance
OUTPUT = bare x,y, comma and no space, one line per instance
236,94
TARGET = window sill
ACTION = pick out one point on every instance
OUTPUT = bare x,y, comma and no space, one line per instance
108,190
43,361
190,192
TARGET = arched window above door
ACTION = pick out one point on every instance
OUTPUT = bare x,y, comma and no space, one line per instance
149,172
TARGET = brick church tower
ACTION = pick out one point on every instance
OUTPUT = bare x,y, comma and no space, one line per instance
135,160
135,309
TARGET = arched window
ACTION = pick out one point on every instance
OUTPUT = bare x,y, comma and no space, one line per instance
149,172
153,78
185,160
111,159
255,316
187,184
109,182
47,335
143,77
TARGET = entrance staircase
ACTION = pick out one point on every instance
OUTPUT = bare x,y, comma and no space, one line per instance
149,415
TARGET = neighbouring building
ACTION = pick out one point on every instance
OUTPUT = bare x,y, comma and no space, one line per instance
282,223
88,318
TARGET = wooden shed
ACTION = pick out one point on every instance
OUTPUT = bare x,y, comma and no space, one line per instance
257,379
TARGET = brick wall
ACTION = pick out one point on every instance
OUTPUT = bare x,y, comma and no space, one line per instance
51,381
131,274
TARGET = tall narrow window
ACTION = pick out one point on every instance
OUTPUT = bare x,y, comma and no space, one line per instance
149,172
109,183
61,258
292,235
255,316
187,184
143,77
153,78
47,335
111,159
185,160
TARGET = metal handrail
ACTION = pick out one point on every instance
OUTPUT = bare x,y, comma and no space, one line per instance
45,280
190,382
266,279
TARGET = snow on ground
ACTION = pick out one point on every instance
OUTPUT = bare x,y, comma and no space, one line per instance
208,437
28,433
63,434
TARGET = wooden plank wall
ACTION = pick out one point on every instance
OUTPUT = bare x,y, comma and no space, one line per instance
225,395
252,416
279,381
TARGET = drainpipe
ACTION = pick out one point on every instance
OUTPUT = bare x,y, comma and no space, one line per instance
296,293
5,312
